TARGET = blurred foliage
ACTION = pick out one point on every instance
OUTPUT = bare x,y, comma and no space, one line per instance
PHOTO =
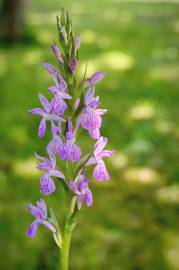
133,224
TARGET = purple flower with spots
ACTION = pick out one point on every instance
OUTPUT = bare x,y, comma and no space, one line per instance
91,116
81,189
100,172
46,113
40,214
47,185
56,143
60,94
70,151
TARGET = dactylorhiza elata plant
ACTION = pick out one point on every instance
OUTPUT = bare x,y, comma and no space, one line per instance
73,106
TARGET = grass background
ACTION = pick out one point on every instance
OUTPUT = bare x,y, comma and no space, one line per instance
133,224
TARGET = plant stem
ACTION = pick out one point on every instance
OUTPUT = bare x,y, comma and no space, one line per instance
70,223
64,252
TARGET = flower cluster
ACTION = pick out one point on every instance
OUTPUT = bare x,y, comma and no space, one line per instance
73,106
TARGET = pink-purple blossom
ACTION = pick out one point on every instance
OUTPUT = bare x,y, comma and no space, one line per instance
59,90
91,119
81,189
56,143
46,113
100,172
48,166
40,214
70,151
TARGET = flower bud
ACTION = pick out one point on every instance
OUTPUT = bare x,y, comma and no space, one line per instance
73,65
77,42
57,53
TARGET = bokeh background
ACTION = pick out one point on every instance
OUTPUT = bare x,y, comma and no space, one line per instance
134,223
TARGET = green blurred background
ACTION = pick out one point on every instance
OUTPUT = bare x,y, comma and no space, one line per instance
134,222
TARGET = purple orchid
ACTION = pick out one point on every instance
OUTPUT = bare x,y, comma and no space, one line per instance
70,151
40,214
47,185
56,143
91,116
100,172
94,79
46,113
59,90
81,189
73,107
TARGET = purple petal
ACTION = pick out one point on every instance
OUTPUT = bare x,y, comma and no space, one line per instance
72,185
43,208
47,185
52,160
33,210
57,174
58,105
49,226
101,111
98,76
70,151
106,153
53,89
88,198
91,120
65,96
31,232
76,153
100,172
94,133
80,201
89,96
54,145
55,117
42,127
37,111
49,68
99,146
45,103
83,185
91,161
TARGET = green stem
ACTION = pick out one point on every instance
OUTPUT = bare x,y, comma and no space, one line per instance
65,249
70,222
